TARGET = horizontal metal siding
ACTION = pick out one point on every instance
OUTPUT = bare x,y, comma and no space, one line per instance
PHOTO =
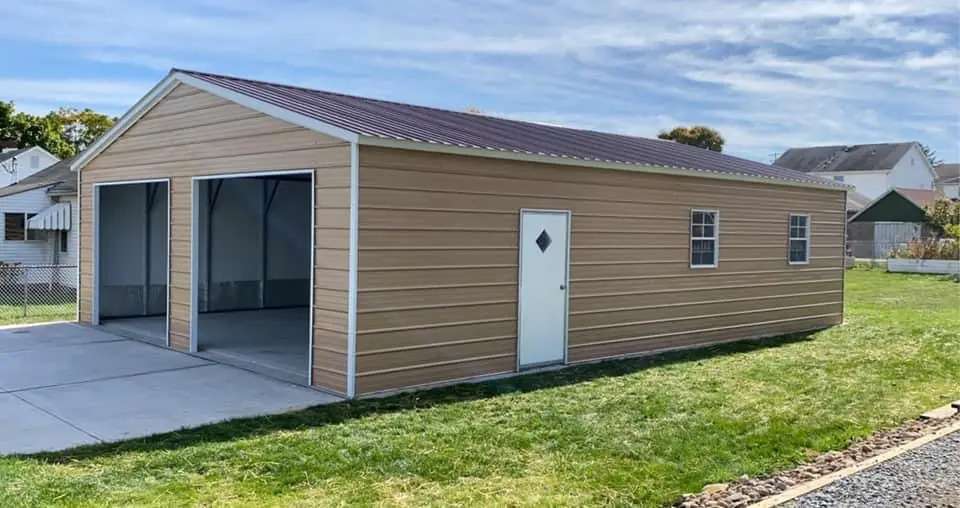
438,263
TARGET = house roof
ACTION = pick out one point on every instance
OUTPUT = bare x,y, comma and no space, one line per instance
840,158
5,156
20,151
920,197
856,201
947,173
889,206
369,121
58,177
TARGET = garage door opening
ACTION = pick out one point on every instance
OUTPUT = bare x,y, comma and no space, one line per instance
253,258
132,257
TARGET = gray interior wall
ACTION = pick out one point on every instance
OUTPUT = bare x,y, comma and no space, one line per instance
123,246
234,230
288,245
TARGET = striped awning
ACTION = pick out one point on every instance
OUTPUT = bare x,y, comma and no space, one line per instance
56,218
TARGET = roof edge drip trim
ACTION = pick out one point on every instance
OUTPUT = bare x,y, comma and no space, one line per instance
175,77
591,163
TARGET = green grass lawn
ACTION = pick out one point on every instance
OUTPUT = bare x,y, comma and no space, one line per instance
638,432
14,314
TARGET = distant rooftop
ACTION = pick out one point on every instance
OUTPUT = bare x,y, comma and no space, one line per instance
839,158
947,173
58,177
9,154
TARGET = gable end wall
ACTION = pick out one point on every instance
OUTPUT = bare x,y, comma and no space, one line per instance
192,133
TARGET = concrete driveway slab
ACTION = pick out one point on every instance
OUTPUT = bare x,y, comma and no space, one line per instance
26,429
26,338
139,406
65,385
76,363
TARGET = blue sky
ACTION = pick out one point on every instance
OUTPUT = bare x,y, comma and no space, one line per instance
768,75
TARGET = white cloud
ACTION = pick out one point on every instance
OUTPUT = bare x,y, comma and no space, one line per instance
30,94
769,74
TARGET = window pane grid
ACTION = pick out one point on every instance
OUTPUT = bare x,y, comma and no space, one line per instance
703,238
799,239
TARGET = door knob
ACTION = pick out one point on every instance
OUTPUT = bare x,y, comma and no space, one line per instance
563,286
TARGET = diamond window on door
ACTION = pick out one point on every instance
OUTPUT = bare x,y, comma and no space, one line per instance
543,241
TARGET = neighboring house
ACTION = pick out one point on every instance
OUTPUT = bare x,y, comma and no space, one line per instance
948,180
19,163
39,219
856,202
890,221
405,246
872,169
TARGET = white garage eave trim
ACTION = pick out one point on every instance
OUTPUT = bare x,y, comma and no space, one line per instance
164,87
154,96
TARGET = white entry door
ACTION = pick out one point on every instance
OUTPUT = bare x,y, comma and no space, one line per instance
543,287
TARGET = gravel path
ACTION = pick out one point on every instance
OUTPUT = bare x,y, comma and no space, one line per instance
928,476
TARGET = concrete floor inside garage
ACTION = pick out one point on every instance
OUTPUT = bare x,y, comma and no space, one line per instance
267,341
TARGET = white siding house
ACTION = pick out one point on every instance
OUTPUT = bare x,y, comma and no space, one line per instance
948,180
871,169
19,163
34,248
39,223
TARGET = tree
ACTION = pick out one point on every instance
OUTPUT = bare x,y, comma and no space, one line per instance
41,131
63,132
696,135
7,112
81,127
931,155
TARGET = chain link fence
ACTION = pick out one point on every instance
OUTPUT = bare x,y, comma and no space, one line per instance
869,250
37,292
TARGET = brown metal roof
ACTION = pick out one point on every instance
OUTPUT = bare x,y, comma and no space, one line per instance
375,118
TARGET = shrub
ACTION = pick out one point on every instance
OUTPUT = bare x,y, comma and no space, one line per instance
928,249
945,216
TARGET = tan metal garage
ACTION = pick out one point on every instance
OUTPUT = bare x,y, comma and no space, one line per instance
451,246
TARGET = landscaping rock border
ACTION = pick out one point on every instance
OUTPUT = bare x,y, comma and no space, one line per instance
747,491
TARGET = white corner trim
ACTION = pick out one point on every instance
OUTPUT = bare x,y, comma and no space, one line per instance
159,91
311,333
267,108
352,277
586,163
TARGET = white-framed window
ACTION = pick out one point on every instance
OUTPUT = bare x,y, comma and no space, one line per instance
704,234
15,228
798,248
838,178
